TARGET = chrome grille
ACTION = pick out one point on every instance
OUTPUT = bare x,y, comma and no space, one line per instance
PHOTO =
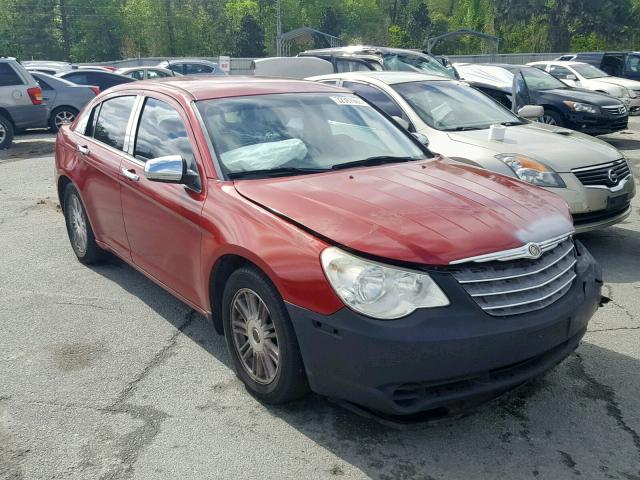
607,174
615,109
520,286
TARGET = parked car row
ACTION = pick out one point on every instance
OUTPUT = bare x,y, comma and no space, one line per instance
617,64
328,243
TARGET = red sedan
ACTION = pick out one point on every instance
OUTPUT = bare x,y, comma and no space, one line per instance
331,247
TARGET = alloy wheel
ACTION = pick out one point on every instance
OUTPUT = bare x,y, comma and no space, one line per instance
548,119
3,133
255,337
78,225
63,117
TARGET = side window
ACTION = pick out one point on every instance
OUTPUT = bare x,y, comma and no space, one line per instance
559,72
43,85
197,68
80,78
8,76
329,82
377,97
111,125
343,65
155,74
176,68
137,74
161,132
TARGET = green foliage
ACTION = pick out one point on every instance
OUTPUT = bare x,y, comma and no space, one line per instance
95,30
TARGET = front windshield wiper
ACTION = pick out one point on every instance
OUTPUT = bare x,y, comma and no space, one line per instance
274,172
373,161
512,123
466,129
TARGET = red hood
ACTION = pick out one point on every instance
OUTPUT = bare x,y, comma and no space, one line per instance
431,212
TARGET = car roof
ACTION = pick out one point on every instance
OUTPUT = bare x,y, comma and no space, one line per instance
209,87
188,60
88,70
361,49
388,77
560,63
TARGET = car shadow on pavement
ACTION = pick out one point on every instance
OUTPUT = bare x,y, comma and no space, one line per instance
568,422
617,249
623,143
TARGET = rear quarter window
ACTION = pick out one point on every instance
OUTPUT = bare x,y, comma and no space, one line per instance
8,76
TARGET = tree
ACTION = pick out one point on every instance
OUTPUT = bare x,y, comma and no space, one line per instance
250,39
419,25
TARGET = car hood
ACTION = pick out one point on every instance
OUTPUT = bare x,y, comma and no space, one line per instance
623,82
580,95
559,148
610,87
428,212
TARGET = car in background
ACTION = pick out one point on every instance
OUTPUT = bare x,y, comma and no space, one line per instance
21,103
456,119
617,64
366,58
98,78
64,99
104,68
192,66
48,67
566,58
333,250
582,110
584,75
146,73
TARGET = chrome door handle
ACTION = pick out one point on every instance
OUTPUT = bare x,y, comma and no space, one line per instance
130,174
83,149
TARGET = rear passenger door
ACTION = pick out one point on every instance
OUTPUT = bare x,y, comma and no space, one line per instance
100,144
163,219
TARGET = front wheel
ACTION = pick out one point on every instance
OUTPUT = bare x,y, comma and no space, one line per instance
61,116
81,236
552,118
260,338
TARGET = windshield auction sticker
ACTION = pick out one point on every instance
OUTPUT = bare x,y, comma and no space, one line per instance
349,101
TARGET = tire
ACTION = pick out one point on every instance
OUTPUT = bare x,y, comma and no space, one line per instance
81,236
60,116
263,329
6,133
551,117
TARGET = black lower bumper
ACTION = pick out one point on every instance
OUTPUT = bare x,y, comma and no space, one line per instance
598,125
437,357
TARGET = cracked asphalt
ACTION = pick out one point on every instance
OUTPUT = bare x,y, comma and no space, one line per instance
103,375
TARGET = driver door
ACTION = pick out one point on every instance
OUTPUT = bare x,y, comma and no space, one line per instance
162,220
520,92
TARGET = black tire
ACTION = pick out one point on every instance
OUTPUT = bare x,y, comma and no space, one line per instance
6,133
67,111
558,119
91,253
290,382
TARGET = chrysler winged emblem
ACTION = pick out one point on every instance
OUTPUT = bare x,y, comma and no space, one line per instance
534,251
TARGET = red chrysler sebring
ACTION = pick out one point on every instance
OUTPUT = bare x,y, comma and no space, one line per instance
333,250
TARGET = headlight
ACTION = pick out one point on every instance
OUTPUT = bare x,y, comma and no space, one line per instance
582,107
531,170
377,290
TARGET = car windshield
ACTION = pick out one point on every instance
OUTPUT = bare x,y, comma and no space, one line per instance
301,133
589,71
416,63
538,80
450,106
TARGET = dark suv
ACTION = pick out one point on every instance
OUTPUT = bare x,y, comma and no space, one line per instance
617,64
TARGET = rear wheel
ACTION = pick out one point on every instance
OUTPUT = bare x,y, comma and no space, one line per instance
552,118
260,338
61,116
6,133
79,229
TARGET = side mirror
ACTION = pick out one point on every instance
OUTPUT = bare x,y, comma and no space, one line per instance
421,138
572,77
402,122
531,112
171,169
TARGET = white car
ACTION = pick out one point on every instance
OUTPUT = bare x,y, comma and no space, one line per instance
461,123
583,75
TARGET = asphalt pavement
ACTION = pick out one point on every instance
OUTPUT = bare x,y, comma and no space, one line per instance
103,375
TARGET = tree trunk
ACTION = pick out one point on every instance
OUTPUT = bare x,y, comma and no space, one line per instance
64,26
172,43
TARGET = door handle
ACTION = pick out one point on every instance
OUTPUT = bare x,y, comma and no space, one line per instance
83,149
130,174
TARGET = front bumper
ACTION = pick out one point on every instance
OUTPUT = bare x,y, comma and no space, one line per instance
596,207
437,358
597,124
